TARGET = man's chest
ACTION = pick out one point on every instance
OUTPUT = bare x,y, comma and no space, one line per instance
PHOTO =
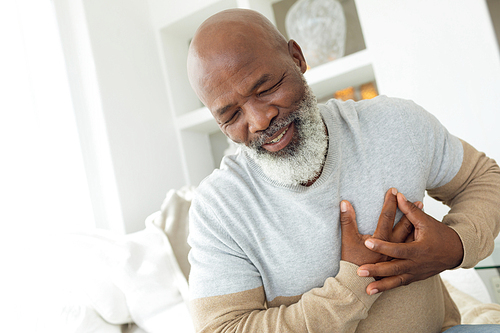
296,244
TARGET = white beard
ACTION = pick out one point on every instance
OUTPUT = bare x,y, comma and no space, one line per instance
302,159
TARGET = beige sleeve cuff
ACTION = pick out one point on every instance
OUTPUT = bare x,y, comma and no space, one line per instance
470,240
349,278
474,197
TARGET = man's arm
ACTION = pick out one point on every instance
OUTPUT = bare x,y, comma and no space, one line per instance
474,198
336,307
465,237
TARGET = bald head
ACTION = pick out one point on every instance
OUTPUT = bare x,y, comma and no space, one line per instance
235,26
228,40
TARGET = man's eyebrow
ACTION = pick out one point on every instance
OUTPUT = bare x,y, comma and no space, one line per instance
263,79
220,111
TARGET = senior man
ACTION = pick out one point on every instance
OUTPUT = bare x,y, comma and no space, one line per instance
274,235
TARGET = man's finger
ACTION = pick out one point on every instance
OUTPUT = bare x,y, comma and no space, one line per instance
394,250
387,216
414,214
411,237
401,230
389,283
385,269
348,219
404,227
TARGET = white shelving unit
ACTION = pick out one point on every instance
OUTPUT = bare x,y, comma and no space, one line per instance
194,122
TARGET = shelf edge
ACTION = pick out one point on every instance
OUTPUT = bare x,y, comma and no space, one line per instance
200,120
338,67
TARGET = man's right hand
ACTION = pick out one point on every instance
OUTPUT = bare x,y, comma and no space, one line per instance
353,247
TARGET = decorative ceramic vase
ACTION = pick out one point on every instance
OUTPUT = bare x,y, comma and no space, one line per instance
319,27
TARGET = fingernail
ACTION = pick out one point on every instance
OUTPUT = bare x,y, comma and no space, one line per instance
394,191
369,244
373,291
403,196
343,207
363,272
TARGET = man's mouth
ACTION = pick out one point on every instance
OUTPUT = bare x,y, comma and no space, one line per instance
281,140
278,138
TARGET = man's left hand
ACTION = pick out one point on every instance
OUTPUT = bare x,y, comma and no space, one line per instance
436,247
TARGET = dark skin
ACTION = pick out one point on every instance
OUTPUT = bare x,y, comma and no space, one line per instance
248,76
353,243
408,230
435,247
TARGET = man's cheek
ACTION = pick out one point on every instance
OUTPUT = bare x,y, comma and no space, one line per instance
233,134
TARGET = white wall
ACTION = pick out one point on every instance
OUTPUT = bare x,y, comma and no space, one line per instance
138,127
444,56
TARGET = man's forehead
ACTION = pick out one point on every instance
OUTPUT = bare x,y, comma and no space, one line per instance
220,58
228,69
232,48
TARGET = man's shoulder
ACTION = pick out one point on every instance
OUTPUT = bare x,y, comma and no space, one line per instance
234,172
379,103
379,111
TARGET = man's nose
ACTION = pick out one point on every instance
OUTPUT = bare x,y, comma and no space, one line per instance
259,116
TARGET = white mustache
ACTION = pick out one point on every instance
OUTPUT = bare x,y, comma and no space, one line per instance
277,125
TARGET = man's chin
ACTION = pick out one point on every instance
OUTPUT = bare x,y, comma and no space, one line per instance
286,166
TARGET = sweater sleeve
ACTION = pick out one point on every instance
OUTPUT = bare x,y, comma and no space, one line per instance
474,197
336,307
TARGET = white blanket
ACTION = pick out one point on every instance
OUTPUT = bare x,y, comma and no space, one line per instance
106,282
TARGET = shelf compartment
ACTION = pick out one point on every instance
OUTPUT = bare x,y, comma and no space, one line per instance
174,40
354,35
352,70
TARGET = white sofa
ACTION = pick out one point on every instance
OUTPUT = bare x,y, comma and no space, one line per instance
138,282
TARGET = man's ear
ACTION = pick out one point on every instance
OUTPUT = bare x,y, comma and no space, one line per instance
297,56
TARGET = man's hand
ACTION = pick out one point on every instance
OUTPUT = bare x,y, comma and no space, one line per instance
353,243
436,247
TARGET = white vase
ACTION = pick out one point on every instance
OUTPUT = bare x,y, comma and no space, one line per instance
319,27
